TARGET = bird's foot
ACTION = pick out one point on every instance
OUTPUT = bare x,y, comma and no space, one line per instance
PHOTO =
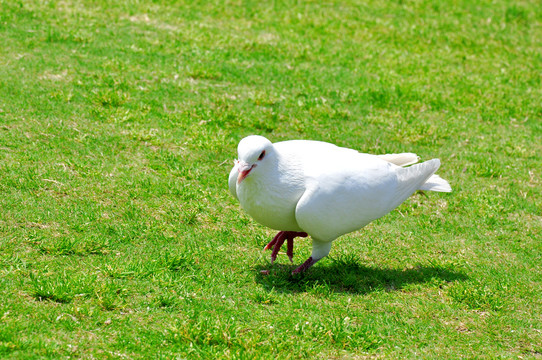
279,240
305,266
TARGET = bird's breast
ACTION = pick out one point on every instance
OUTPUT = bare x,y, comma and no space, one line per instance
271,201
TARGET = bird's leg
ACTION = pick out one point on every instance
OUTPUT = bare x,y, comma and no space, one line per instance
320,249
290,249
281,237
274,241
279,240
305,266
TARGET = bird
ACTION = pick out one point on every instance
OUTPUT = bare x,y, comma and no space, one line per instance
313,188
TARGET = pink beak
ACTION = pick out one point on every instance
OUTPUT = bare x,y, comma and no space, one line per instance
244,169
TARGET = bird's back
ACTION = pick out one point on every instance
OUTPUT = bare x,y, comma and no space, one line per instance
345,189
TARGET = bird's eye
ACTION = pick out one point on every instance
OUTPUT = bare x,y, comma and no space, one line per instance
261,155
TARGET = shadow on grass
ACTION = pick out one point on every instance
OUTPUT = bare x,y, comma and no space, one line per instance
348,276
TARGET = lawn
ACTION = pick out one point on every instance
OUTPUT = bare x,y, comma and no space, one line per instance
119,122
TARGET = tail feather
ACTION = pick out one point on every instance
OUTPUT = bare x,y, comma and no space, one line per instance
418,177
403,159
436,183
412,178
422,177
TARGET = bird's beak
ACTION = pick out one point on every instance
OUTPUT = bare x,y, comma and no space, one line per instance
244,169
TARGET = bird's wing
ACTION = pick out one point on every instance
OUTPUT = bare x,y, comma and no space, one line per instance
345,198
352,191
232,181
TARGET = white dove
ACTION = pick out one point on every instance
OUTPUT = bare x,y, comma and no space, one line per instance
303,187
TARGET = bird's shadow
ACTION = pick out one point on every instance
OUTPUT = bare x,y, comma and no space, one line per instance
348,276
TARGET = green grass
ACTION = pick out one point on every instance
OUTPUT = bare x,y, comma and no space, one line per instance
118,124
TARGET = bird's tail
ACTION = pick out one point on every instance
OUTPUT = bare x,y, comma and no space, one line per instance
422,177
402,159
436,183
418,177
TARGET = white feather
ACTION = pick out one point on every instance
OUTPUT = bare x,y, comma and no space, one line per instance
403,159
232,179
325,190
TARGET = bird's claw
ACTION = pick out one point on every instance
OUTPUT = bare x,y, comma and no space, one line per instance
305,266
273,242
290,249
279,240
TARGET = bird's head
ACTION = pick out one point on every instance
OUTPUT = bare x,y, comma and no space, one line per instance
253,151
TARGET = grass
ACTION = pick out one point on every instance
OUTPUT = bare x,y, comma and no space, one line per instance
118,124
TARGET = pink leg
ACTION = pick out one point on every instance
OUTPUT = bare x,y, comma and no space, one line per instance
290,249
305,266
278,245
279,240
274,241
